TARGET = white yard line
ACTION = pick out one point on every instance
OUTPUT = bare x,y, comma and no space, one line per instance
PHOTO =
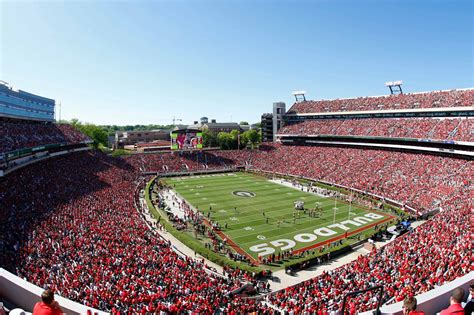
298,187
177,243
283,280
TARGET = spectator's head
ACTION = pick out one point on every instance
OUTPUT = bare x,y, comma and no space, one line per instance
409,304
457,295
471,289
47,296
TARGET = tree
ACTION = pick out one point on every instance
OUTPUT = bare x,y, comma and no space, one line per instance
75,122
209,138
244,123
229,140
111,129
235,138
244,140
253,137
100,136
225,140
234,134
96,133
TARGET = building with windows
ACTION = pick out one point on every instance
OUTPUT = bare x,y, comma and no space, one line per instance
125,138
19,104
214,126
267,127
272,122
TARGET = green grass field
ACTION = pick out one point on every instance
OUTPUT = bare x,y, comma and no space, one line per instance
247,226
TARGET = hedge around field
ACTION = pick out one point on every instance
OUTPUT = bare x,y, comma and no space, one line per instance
224,261
394,209
193,243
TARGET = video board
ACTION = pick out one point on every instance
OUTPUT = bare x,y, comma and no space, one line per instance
186,140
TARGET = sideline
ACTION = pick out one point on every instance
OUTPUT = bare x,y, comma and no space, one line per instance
176,244
280,279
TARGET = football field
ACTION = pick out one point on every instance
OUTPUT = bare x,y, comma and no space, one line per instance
260,214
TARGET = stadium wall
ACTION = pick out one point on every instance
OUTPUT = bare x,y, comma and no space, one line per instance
433,301
41,156
455,153
377,197
464,111
24,294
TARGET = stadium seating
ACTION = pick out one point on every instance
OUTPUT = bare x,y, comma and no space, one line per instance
433,254
22,135
186,161
70,224
422,128
89,244
417,180
454,98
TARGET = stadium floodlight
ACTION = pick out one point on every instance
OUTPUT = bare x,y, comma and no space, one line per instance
59,105
299,95
298,92
395,86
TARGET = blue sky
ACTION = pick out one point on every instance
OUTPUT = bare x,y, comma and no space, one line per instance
140,62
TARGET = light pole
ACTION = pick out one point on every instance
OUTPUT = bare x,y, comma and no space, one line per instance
59,105
350,208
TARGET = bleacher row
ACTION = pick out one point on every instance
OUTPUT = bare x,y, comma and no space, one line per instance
25,134
185,161
378,172
432,255
459,129
435,253
454,98
70,224
78,232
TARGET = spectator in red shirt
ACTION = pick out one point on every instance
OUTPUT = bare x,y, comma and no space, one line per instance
455,303
409,307
48,306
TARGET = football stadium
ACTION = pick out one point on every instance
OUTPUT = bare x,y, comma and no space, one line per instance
334,204
270,214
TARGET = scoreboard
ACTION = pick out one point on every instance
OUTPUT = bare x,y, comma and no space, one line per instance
186,139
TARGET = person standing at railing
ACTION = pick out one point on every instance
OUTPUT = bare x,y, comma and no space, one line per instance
48,306
409,307
455,300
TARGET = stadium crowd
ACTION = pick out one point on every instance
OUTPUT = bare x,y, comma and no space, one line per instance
78,233
431,255
421,181
21,135
70,225
435,253
422,128
188,161
453,98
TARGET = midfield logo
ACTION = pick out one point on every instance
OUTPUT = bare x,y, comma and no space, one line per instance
243,193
